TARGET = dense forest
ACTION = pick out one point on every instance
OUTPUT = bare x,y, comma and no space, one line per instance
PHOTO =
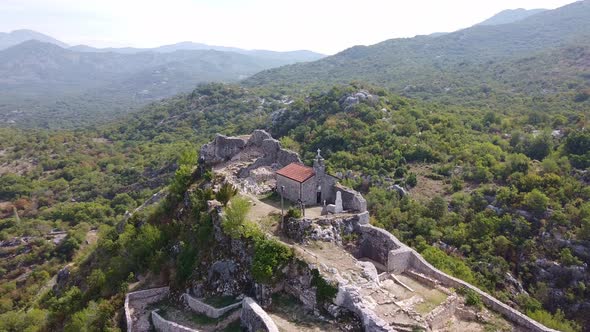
499,199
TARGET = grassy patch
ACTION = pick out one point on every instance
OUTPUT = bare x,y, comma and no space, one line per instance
220,301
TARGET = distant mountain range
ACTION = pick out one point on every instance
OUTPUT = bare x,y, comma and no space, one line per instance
545,53
18,36
43,80
516,53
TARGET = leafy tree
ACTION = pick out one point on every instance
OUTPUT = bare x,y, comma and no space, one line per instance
234,217
225,193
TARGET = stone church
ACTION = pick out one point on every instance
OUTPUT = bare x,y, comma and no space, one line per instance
313,186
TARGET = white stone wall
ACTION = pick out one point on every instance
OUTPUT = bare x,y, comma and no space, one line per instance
146,296
419,264
255,319
207,310
162,325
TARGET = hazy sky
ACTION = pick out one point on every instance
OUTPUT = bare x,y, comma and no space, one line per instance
326,26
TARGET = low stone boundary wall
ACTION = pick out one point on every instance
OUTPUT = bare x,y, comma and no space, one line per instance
423,278
255,319
418,263
149,296
206,309
162,325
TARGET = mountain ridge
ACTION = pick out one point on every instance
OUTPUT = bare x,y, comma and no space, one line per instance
40,80
511,16
438,65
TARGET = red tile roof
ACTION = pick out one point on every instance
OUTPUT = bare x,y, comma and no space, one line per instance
297,172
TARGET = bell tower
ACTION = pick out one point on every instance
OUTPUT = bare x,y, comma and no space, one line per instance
320,171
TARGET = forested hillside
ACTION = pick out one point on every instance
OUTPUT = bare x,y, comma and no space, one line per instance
484,64
46,86
472,147
499,200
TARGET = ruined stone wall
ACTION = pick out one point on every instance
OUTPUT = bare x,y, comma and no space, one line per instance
207,310
351,199
255,319
440,316
146,296
418,263
376,243
398,259
223,149
162,325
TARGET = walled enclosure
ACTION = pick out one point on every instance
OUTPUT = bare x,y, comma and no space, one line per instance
401,258
203,308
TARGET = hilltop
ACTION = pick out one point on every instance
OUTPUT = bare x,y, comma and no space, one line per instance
13,38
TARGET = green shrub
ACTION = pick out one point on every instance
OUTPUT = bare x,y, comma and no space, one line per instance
226,193
472,298
270,256
293,213
325,291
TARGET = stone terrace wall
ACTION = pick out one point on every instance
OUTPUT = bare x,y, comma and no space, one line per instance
255,319
207,310
147,296
163,325
418,263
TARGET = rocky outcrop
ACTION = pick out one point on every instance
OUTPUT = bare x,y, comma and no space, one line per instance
328,229
222,149
259,144
349,297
